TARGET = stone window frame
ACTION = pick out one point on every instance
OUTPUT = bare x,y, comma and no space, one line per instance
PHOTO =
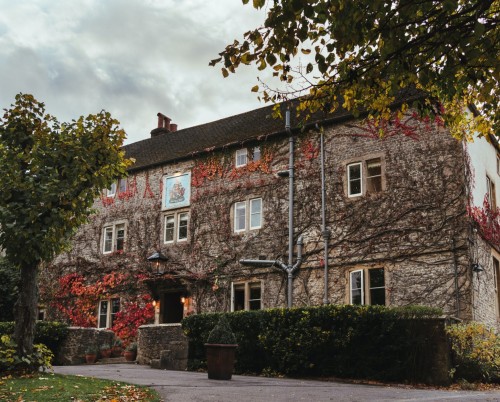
247,203
248,156
362,162
491,192
109,313
365,284
247,286
495,262
177,215
117,187
113,227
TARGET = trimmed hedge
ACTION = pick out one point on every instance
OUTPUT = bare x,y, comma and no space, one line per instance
50,333
375,342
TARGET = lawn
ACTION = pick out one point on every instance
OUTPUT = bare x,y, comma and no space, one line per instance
48,387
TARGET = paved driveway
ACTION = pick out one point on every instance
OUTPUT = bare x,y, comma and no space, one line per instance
180,386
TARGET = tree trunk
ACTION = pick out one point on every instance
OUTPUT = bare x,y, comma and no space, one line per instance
26,309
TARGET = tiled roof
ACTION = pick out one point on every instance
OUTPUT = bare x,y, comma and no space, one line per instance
236,129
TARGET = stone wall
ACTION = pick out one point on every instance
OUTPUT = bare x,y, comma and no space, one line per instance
166,344
485,300
72,349
408,228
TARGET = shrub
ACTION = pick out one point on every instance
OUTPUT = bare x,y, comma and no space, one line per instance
349,341
222,333
9,291
11,362
476,352
50,333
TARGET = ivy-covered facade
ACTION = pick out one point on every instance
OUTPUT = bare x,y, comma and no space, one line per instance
403,223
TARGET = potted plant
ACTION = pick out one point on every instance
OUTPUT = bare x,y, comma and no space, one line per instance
131,352
117,348
221,347
91,354
105,351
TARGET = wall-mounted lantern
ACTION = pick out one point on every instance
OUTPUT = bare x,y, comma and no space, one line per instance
476,267
158,263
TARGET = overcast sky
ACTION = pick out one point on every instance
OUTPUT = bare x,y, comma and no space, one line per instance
134,58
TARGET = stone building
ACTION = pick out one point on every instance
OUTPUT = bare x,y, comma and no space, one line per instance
405,214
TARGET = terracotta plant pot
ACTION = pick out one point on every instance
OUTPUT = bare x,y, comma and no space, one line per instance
116,351
90,358
220,361
106,353
130,355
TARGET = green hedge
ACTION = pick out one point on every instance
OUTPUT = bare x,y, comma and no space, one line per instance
348,341
50,333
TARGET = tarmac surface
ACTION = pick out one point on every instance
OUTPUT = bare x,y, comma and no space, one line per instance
181,386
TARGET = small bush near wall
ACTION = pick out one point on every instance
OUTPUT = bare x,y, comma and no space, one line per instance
50,333
476,352
376,342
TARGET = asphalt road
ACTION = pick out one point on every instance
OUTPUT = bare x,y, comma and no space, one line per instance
180,386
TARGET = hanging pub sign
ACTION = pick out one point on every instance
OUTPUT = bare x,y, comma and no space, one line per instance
176,191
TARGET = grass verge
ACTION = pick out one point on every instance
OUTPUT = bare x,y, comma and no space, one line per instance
46,387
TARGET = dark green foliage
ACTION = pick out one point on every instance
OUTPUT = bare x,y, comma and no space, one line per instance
222,333
50,333
9,289
347,341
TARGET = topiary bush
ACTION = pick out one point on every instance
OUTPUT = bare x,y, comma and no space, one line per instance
476,352
222,334
347,341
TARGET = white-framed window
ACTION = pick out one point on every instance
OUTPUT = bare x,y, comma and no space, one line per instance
498,165
496,284
247,215
367,286
41,314
113,238
111,191
491,193
176,227
241,157
107,310
122,186
354,179
364,177
256,154
246,296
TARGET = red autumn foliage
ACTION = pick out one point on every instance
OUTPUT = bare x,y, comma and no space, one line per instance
488,221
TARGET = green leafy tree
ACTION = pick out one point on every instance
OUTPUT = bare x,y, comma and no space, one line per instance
9,291
359,54
50,173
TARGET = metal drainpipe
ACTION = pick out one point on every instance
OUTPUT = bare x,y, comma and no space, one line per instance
325,231
290,208
455,265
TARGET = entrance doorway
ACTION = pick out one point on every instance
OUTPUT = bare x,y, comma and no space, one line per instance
172,309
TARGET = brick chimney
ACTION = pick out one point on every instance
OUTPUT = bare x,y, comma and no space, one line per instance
164,126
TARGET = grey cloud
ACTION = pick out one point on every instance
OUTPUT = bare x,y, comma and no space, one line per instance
133,58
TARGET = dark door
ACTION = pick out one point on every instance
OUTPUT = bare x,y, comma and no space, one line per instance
172,308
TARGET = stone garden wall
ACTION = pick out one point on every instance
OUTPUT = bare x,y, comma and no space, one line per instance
72,349
163,346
